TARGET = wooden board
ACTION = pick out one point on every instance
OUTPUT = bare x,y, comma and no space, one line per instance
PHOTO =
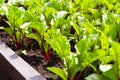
17,68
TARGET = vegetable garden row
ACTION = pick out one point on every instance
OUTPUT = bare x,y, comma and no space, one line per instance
85,34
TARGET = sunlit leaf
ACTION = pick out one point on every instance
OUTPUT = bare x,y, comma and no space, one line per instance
25,25
105,68
8,30
60,72
96,77
112,74
36,37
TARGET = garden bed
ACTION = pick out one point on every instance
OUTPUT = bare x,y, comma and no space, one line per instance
34,58
72,39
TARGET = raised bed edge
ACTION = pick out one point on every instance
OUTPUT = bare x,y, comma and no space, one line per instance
16,67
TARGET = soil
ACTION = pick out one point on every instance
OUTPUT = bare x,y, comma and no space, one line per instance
35,58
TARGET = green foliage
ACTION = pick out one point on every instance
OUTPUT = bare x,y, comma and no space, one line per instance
73,63
58,42
17,24
92,25
1,1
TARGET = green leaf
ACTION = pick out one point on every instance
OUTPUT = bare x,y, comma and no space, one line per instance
60,72
96,77
90,28
1,1
77,28
104,41
36,37
25,25
105,68
118,30
116,49
9,30
110,26
81,46
105,56
85,4
77,2
14,13
113,31
50,12
74,67
58,42
40,27
61,14
112,74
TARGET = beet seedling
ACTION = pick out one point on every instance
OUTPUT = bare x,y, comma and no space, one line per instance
17,24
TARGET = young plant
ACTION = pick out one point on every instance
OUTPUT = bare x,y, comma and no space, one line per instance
40,24
38,34
73,63
110,64
16,22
